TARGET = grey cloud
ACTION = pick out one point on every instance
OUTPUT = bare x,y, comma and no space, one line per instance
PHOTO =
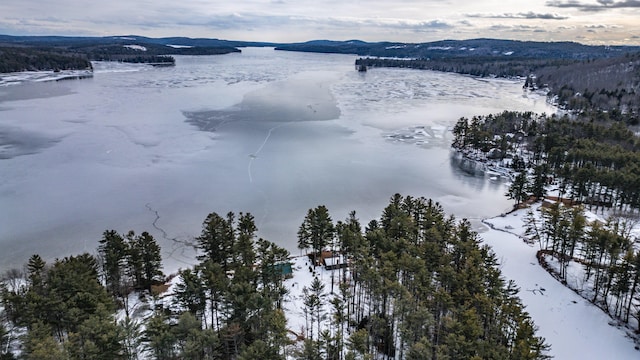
516,28
602,26
255,21
521,15
601,5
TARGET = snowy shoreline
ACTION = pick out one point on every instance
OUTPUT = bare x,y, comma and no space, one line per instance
574,327
18,78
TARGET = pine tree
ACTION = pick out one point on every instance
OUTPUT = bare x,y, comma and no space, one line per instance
316,231
39,344
113,253
161,341
190,292
517,189
217,239
148,250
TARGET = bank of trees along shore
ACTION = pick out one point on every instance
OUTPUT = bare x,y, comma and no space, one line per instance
594,158
13,59
594,161
419,286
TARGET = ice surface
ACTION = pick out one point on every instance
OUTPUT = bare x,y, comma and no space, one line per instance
98,154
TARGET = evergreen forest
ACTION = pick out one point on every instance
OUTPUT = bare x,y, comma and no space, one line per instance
419,285
14,59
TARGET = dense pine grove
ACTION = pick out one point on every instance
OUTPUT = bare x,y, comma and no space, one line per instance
419,286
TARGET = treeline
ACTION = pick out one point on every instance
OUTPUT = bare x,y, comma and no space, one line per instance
138,59
602,84
594,158
14,59
122,52
483,66
419,286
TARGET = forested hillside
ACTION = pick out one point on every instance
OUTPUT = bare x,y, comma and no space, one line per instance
418,286
13,59
603,84
445,49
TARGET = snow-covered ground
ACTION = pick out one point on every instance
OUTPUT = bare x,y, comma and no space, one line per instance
575,328
39,76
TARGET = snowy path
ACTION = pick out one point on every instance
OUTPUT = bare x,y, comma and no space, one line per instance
573,327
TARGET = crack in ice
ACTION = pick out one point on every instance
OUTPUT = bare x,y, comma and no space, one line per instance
255,154
177,244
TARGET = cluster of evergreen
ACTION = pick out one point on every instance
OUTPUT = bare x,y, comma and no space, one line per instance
593,157
483,66
14,59
67,309
604,84
419,286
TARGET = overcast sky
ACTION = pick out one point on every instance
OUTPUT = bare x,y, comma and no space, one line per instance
586,21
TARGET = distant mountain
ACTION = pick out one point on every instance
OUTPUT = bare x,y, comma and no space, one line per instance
169,42
464,48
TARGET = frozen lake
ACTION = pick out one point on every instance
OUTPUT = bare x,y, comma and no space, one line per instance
267,132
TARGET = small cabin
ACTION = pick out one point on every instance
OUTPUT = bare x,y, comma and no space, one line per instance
334,262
